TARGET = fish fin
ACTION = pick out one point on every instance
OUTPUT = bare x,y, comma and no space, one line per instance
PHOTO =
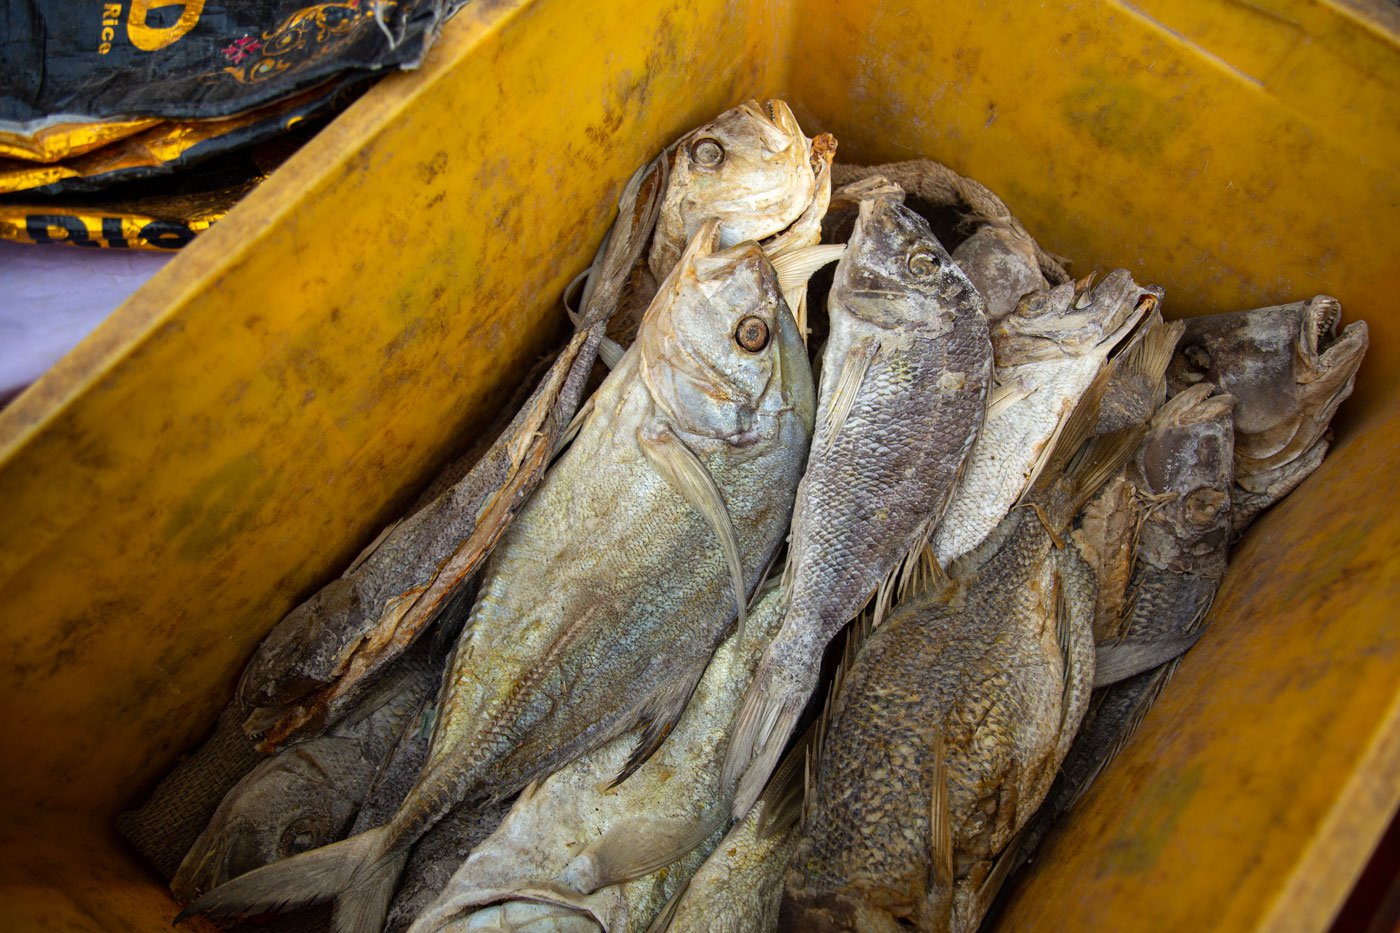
847,385
1159,681
1004,396
1006,861
636,848
1151,355
1063,636
657,717
309,878
781,804
571,299
364,906
1069,435
662,921
767,715
679,466
610,352
796,266
1113,663
939,818
1100,459
856,634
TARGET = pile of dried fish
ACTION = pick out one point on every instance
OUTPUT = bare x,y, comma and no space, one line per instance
566,692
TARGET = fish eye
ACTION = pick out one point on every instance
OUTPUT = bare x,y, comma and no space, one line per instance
1204,505
1197,360
751,334
923,263
298,837
706,152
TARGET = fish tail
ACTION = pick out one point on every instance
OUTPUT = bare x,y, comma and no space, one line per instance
766,719
364,906
333,871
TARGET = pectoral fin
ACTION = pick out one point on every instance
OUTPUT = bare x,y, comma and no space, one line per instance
680,467
843,396
657,717
795,267
1003,397
1113,663
610,352
636,848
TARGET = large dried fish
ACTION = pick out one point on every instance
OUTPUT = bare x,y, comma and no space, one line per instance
618,853
1182,475
605,599
952,719
1289,370
1184,472
306,795
904,384
314,664
1051,353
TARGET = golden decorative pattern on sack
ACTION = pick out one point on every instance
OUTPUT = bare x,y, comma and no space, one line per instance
164,142
66,140
302,35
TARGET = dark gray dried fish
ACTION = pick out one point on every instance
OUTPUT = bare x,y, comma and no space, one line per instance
952,719
1289,370
905,376
306,795
1181,476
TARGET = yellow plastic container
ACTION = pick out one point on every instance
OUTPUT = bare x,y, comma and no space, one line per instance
243,425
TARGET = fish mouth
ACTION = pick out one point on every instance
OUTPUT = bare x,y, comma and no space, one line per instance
1320,320
777,121
1073,319
1321,348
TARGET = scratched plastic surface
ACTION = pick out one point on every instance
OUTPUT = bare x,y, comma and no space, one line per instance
242,426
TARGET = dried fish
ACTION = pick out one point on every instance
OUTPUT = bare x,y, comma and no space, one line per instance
1289,370
1051,353
607,596
905,376
618,852
952,719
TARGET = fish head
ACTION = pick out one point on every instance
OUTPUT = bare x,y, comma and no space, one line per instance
1184,469
281,808
750,168
895,272
1287,367
720,350
1072,319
